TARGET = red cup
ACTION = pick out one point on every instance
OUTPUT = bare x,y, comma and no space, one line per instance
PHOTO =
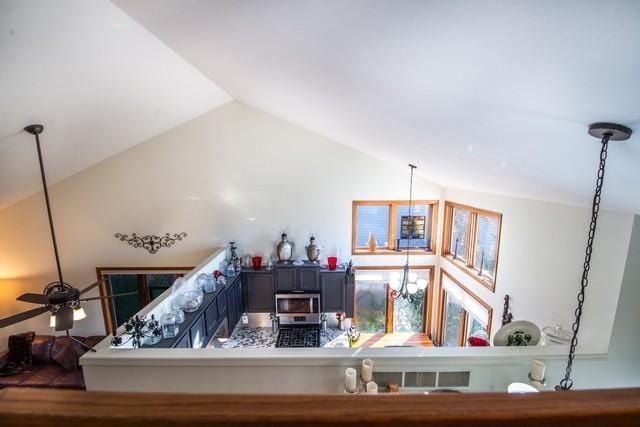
257,262
333,262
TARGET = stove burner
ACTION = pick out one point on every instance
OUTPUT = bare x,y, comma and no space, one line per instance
298,337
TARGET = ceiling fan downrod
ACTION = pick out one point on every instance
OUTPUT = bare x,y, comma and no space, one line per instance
36,130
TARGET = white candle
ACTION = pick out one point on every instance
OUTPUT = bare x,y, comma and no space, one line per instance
537,370
372,388
367,370
350,380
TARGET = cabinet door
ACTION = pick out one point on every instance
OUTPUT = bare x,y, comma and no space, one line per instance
308,279
232,316
286,279
260,293
333,292
211,317
238,297
184,342
198,334
350,298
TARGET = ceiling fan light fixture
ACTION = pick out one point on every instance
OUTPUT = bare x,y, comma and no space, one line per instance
52,321
79,313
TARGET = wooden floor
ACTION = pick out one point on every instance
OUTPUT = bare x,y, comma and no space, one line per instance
67,408
395,339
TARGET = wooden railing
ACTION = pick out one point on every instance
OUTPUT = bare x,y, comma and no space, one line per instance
41,407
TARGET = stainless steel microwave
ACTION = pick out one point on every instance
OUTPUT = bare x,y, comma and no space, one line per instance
298,308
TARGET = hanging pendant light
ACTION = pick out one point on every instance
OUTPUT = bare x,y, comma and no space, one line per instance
605,132
410,287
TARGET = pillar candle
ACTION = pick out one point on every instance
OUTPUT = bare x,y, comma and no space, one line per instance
372,388
537,370
350,380
367,370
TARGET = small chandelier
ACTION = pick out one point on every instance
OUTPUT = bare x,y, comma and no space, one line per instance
411,287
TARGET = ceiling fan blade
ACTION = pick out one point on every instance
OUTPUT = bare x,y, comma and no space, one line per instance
64,318
91,286
8,321
34,298
110,296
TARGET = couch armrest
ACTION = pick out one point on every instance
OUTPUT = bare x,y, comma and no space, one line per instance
4,358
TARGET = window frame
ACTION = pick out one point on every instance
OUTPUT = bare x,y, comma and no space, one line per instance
393,205
464,316
468,264
143,289
428,298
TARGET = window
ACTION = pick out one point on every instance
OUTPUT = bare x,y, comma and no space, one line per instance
389,224
471,241
147,283
462,313
376,311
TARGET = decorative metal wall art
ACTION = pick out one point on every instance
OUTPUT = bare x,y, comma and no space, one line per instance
151,243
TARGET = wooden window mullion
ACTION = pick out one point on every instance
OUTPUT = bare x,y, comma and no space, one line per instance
392,225
388,326
462,333
471,238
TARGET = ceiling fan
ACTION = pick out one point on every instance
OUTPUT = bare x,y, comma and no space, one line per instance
59,298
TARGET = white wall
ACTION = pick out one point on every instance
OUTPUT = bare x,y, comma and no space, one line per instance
540,264
208,177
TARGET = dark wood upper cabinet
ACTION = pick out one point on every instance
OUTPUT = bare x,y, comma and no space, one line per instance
286,279
333,292
260,292
308,279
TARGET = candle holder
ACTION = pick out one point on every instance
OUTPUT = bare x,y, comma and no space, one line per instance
356,391
537,384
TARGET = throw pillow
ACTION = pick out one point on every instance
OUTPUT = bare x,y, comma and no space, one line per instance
19,359
64,353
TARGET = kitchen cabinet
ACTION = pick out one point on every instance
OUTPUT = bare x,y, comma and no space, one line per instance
298,279
333,292
211,318
234,303
260,292
286,279
184,342
308,279
198,333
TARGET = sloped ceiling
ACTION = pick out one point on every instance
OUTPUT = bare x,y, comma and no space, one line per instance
492,96
96,79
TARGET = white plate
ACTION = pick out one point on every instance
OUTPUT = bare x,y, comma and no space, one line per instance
529,328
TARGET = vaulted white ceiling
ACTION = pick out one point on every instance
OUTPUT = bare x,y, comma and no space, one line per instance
493,96
96,79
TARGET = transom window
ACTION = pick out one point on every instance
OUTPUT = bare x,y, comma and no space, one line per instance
462,313
388,224
472,240
147,283
376,311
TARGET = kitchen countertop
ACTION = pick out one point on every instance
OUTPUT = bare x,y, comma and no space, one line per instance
248,337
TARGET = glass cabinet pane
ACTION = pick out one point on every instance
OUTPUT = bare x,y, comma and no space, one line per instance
127,306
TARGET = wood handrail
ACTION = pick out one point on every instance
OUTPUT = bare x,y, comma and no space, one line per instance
40,407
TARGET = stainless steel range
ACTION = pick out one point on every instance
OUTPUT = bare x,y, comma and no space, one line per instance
298,308
298,337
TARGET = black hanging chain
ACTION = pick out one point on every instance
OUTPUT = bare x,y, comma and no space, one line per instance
566,383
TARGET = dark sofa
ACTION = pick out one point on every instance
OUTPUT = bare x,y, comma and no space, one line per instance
54,363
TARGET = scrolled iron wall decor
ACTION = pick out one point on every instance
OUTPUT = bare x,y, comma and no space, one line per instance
151,243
